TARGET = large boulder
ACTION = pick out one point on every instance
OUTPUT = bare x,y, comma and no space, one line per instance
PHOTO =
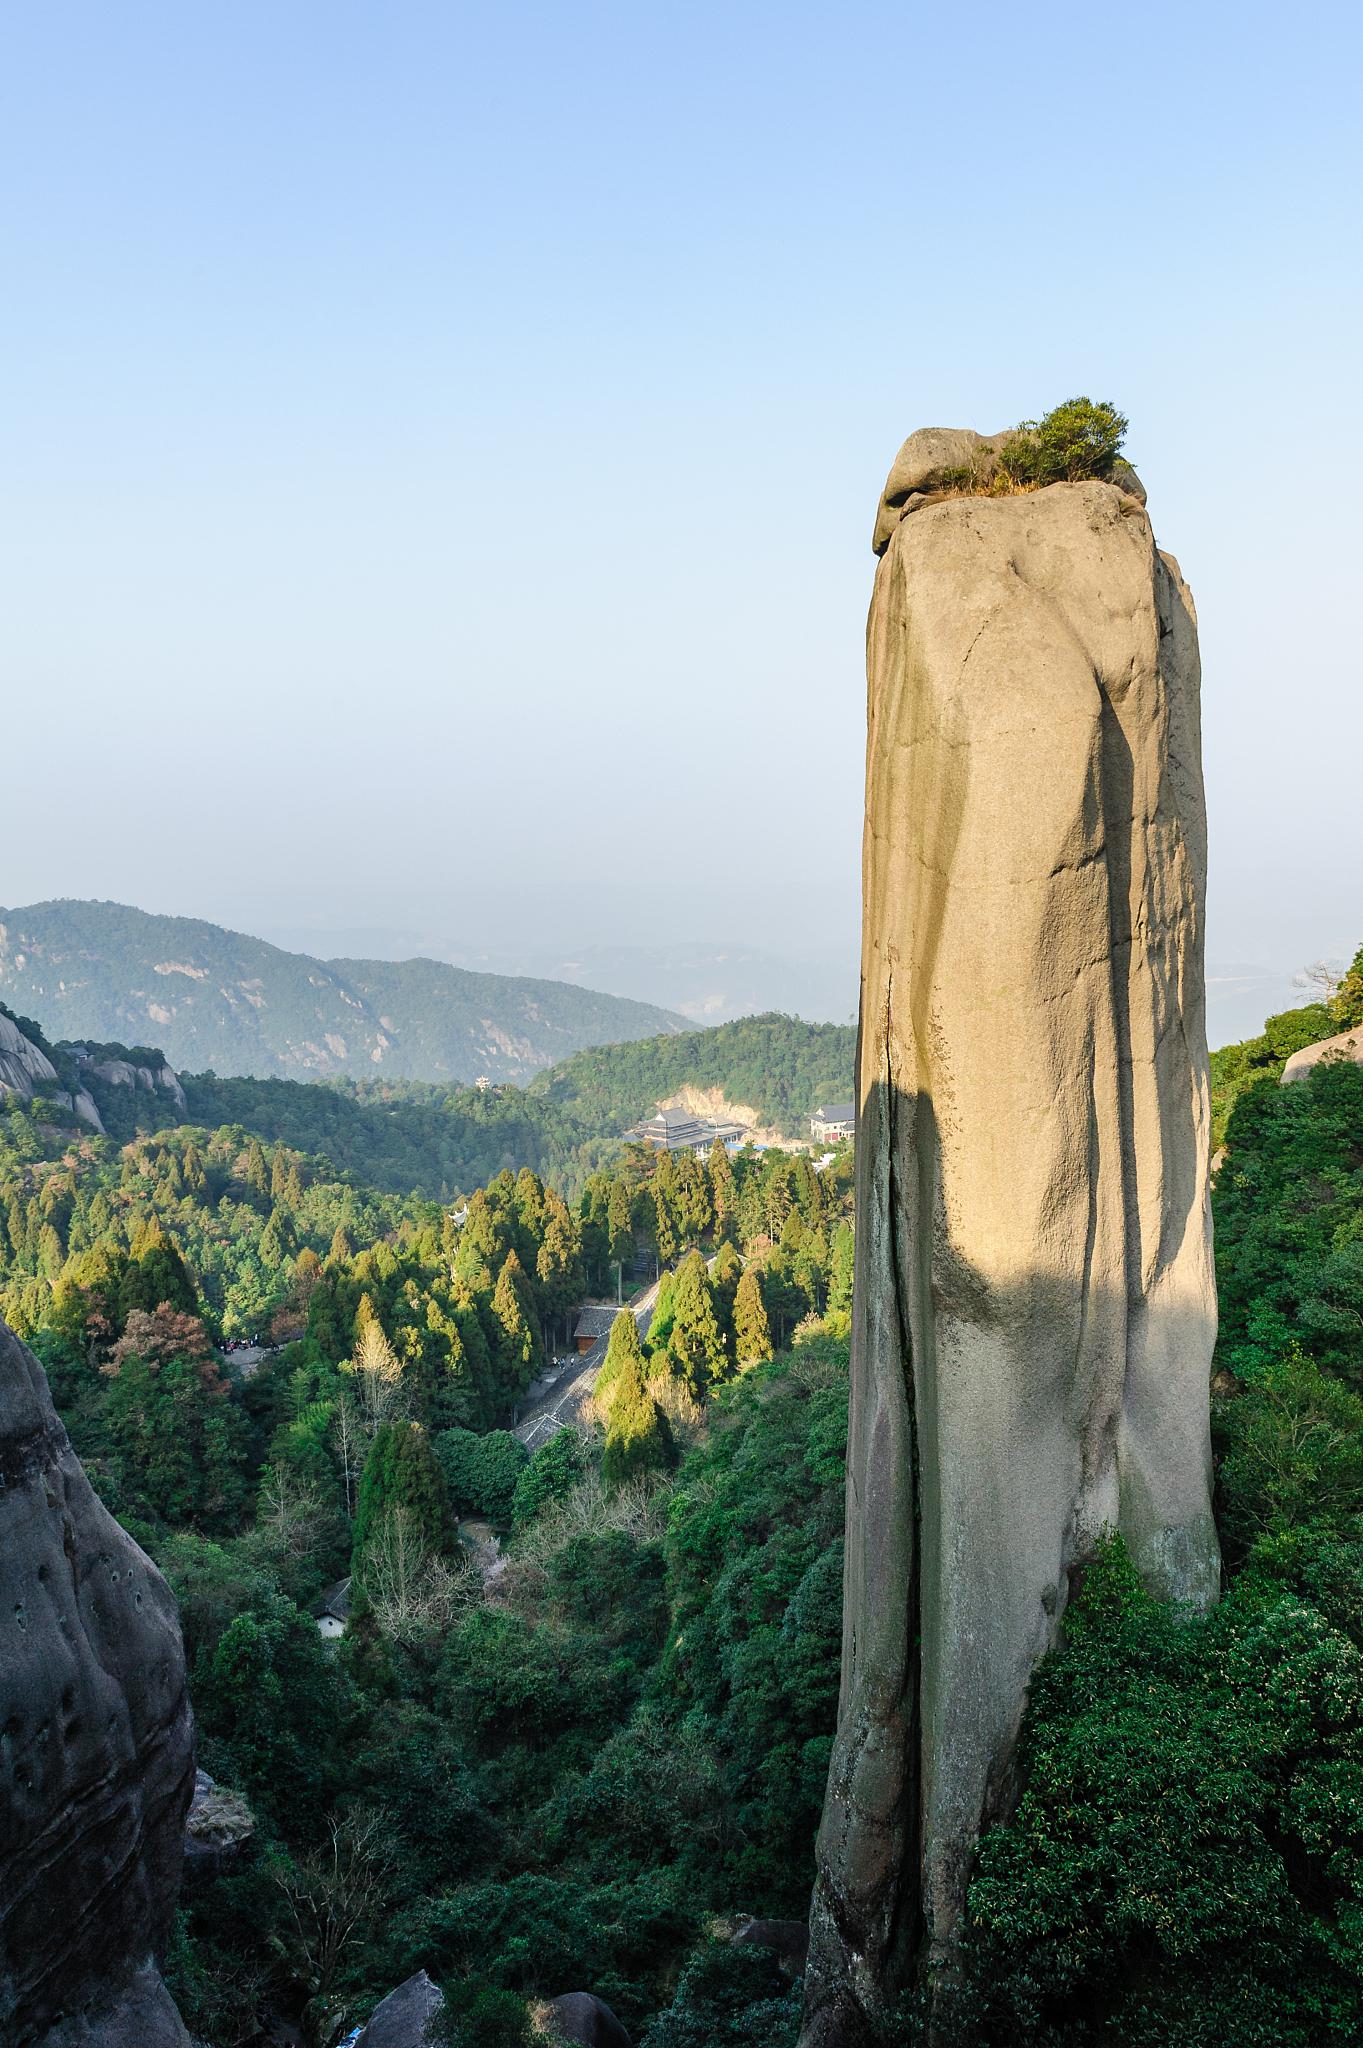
404,2018
934,459
1347,1045
581,2020
786,1940
1035,1308
96,1748
219,1831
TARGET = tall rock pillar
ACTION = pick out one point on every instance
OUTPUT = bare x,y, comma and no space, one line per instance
96,1748
1035,1307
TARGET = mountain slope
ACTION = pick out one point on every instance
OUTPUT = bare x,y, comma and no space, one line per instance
780,1066
220,999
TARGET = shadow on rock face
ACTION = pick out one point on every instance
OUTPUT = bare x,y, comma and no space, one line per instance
96,1747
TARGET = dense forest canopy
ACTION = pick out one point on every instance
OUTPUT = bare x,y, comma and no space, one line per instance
779,1066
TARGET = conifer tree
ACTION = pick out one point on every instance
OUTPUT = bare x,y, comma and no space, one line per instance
695,1347
660,1323
558,1267
724,1278
623,1349
619,1224
518,1344
637,1436
723,1190
752,1331
401,1470
665,1209
156,1273
254,1171
375,1365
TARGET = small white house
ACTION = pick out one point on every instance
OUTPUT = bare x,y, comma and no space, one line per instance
332,1611
833,1121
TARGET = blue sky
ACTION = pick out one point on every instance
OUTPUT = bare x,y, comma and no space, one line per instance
431,432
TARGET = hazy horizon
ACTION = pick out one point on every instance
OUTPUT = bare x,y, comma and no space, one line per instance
441,498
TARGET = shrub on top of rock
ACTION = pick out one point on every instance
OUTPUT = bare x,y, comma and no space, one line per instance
1081,438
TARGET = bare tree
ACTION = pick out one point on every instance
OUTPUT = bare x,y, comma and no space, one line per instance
350,1449
289,1515
332,1896
1321,979
413,1593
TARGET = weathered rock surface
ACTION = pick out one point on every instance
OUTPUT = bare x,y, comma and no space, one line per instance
404,2018
25,1070
581,2020
924,467
787,1940
123,1074
219,1830
1346,1045
1035,1308
96,1748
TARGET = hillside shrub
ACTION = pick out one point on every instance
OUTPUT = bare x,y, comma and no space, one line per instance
1185,1862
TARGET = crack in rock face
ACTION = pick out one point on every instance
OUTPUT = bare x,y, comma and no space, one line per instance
1035,1308
96,1748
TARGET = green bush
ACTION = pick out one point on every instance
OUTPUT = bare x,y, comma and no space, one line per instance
1081,438
1293,1455
729,1998
554,1470
1185,1861
482,1472
478,2015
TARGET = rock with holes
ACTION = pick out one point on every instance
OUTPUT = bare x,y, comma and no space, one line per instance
1035,1308
96,1748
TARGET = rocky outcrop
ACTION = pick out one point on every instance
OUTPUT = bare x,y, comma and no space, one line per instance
405,2017
1347,1045
786,1940
25,1070
96,1748
161,1079
931,462
581,2020
219,1830
1035,1309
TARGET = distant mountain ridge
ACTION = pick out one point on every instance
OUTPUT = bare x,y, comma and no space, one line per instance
221,1000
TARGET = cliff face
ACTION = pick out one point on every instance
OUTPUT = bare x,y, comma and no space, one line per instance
96,1748
26,1071
1035,1307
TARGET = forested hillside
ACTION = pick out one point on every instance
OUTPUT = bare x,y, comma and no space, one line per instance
779,1066
469,1762
221,1000
438,1140
578,1768
409,1135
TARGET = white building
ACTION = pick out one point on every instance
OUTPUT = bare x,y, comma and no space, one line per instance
833,1121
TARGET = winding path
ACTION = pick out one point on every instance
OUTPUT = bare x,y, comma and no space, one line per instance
563,1406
